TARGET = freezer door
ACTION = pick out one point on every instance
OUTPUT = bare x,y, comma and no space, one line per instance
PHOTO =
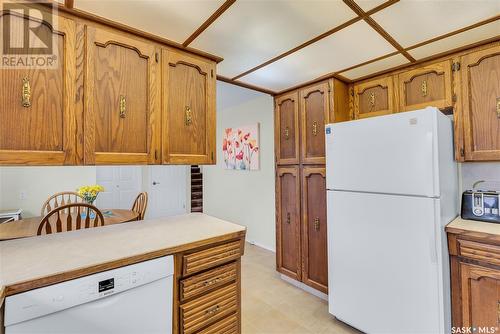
383,263
394,154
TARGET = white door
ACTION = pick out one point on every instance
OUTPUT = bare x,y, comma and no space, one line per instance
394,154
168,191
121,185
384,269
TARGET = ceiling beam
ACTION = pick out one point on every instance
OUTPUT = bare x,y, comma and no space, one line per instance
209,21
315,39
367,18
245,85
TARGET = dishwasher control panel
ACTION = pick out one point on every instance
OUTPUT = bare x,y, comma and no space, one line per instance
53,298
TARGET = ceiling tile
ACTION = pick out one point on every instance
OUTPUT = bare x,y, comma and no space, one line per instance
251,32
411,22
483,32
350,46
376,66
367,5
173,19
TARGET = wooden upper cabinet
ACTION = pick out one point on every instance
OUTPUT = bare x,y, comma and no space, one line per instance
314,237
314,114
426,86
37,115
122,99
480,84
374,98
288,222
480,290
188,133
287,128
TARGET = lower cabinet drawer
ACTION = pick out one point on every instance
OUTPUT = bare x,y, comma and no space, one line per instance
201,283
228,325
479,251
211,257
209,308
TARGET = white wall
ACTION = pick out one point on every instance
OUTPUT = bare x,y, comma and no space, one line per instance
27,188
244,197
481,171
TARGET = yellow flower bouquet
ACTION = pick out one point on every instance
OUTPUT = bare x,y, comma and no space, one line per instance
89,193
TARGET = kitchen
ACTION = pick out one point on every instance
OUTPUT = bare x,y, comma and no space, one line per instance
363,122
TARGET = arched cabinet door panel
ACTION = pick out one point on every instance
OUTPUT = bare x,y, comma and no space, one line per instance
288,222
314,114
37,114
188,131
286,118
374,98
122,96
480,81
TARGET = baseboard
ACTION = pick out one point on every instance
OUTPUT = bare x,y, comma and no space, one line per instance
261,246
304,287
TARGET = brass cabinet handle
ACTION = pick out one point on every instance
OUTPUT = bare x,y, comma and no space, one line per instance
123,106
288,219
287,133
315,128
211,282
423,88
188,116
316,223
26,94
212,310
498,107
372,100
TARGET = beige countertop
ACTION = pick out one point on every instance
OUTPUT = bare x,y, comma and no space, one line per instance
61,256
460,225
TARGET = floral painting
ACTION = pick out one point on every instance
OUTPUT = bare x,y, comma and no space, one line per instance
240,147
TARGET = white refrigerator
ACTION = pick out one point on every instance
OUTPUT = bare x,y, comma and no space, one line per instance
392,186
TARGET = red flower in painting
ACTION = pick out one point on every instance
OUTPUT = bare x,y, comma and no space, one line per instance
240,156
224,145
246,136
237,144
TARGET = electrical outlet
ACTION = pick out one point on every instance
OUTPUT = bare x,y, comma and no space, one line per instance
22,195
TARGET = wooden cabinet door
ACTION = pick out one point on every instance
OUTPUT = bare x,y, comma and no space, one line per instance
480,75
314,238
286,120
37,115
480,296
314,114
122,118
427,86
288,222
188,132
374,98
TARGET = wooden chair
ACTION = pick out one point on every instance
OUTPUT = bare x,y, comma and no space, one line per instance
60,199
71,214
140,205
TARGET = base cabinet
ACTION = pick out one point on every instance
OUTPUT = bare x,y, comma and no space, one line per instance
475,281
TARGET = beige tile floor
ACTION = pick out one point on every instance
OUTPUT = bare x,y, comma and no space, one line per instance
271,305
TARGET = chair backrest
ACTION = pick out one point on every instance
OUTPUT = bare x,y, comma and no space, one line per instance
60,199
140,205
74,216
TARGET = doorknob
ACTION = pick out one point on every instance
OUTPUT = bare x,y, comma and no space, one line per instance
155,183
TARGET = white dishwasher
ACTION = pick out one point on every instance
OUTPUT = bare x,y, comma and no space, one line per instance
133,299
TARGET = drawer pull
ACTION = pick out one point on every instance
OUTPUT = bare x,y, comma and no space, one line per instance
213,310
26,94
211,282
188,116
315,128
287,133
123,106
498,107
423,88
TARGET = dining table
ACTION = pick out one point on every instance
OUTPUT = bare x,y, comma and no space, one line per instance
28,227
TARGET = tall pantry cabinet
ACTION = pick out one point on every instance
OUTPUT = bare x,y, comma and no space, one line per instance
300,118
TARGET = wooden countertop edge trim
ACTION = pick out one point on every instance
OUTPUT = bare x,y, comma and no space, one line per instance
40,282
473,234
